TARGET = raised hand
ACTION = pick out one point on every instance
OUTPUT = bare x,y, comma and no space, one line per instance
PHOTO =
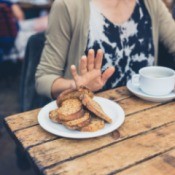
90,74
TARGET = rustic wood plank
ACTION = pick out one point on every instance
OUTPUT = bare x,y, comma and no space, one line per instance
134,104
131,105
120,155
33,135
28,119
22,120
116,94
161,165
55,151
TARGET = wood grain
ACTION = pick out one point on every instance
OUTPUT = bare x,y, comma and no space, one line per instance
22,120
28,119
33,135
134,104
144,144
160,165
121,155
59,150
116,94
130,105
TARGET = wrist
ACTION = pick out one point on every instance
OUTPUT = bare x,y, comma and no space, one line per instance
72,84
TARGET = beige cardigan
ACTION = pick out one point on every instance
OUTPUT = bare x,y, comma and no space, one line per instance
66,38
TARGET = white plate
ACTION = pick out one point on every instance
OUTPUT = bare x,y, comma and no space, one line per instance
138,92
111,108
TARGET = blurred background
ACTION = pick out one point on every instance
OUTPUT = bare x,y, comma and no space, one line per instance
22,27
19,20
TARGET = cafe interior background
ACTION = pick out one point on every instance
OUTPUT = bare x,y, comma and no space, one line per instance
17,71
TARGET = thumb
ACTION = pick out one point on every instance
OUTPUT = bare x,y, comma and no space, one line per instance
108,73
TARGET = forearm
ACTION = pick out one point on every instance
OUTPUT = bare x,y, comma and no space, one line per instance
18,13
55,53
61,84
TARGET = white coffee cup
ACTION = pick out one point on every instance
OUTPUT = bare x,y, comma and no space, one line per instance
155,80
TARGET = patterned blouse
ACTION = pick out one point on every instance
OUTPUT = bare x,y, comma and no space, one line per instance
128,46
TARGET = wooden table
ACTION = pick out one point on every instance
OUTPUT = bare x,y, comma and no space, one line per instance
143,145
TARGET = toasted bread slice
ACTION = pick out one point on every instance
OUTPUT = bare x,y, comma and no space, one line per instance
53,115
78,123
70,94
85,90
70,109
95,108
95,125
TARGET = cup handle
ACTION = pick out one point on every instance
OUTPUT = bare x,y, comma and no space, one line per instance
135,79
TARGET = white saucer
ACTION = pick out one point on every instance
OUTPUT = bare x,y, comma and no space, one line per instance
139,93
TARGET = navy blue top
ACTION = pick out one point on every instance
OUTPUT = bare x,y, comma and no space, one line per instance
128,46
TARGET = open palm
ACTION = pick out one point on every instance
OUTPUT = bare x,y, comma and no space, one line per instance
90,74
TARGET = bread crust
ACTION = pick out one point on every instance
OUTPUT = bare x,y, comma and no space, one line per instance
53,115
95,108
95,125
78,123
73,93
78,111
73,116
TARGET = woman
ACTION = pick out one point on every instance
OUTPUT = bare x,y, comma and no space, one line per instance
126,31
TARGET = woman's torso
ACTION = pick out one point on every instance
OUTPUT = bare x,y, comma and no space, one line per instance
128,47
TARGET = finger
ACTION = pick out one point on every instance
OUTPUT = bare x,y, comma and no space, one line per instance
74,72
107,74
98,59
83,65
90,60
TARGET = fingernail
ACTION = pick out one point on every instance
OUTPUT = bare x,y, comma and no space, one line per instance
91,50
100,50
72,66
83,58
113,68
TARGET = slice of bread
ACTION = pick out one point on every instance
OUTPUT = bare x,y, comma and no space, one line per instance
95,108
95,125
53,115
85,90
78,123
70,109
70,94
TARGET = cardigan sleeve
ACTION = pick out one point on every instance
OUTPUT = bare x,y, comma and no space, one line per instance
166,27
53,59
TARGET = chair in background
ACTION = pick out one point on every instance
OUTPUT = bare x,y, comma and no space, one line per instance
29,99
